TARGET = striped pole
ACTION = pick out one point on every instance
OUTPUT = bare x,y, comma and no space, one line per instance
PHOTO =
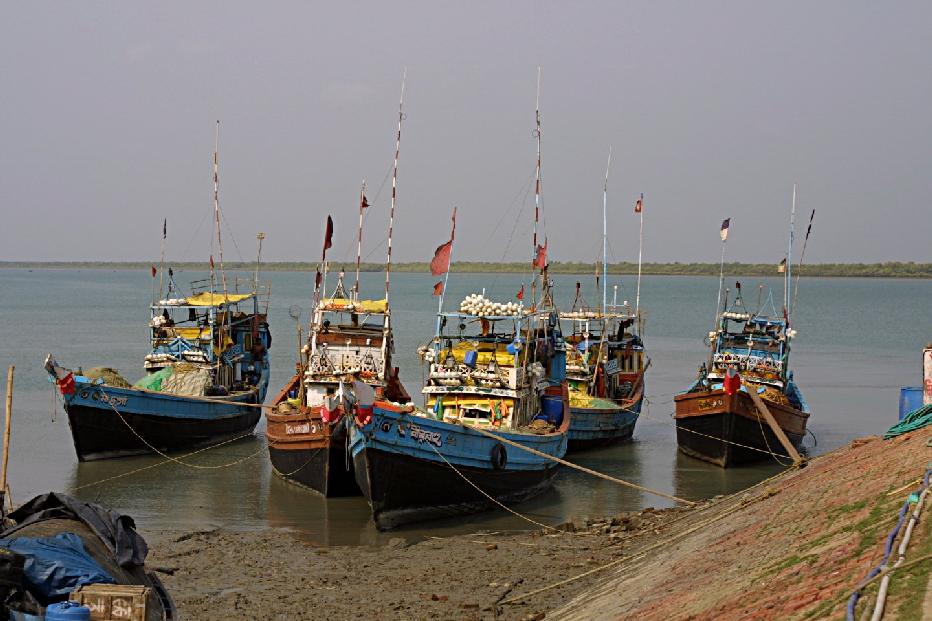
391,215
362,206
537,176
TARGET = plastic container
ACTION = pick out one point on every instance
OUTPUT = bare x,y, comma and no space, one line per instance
470,358
67,611
552,409
910,399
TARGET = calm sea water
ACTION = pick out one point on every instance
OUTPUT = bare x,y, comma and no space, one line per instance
859,341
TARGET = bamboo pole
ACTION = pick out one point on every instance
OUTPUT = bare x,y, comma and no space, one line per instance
6,429
777,431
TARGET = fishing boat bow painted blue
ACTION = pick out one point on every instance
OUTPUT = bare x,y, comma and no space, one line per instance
596,426
108,421
427,468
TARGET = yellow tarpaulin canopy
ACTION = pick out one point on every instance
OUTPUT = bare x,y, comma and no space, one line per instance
362,306
502,357
217,299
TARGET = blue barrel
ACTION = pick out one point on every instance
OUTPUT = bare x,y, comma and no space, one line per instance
552,406
67,611
470,358
910,399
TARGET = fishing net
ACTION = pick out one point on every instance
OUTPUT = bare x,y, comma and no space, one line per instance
110,377
917,419
187,380
153,381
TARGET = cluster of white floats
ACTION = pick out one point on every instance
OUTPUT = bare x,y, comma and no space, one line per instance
479,305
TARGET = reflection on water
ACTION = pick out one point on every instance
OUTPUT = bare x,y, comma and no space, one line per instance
104,324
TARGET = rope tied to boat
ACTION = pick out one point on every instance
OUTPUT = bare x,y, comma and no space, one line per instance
569,464
173,459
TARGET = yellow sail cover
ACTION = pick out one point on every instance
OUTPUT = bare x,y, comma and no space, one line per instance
362,306
217,299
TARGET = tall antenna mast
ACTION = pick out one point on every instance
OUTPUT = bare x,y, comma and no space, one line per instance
726,223
605,232
223,275
162,256
362,205
789,259
537,175
391,214
637,295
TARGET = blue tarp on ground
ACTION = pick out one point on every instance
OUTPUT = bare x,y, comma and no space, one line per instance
55,566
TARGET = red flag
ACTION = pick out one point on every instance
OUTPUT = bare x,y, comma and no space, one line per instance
66,384
440,264
540,261
520,294
328,238
154,271
438,288
364,203
441,261
639,205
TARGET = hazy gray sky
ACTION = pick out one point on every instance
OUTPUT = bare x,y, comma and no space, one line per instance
714,109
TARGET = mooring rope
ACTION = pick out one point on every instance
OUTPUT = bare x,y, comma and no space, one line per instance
178,461
578,467
495,500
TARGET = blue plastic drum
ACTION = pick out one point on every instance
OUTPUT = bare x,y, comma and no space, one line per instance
552,406
67,611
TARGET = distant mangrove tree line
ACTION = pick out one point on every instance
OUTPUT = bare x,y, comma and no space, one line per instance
892,269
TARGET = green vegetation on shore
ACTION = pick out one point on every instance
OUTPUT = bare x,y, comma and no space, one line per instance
892,269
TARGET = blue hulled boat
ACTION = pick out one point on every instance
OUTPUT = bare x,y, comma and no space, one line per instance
605,373
206,375
484,391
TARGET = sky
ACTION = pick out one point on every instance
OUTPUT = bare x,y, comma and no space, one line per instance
712,110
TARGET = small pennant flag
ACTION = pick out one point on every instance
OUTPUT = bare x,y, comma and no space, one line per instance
164,228
364,203
211,261
639,205
809,230
781,268
540,258
438,288
520,294
154,271
317,279
724,231
328,238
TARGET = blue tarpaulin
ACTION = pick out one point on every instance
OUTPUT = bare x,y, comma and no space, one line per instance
55,566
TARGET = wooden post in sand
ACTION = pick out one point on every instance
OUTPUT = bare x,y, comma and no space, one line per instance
6,430
772,422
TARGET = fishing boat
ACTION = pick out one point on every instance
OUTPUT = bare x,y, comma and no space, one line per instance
496,408
207,370
606,361
496,383
745,405
605,369
350,339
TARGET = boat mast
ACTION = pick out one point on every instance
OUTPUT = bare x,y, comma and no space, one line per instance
362,205
536,188
162,256
726,223
800,264
637,295
605,233
223,275
391,214
787,278
259,236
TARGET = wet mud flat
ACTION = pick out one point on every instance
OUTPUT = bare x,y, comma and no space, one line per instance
791,547
222,574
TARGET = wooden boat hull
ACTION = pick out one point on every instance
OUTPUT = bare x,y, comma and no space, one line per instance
726,430
411,468
321,464
595,427
109,422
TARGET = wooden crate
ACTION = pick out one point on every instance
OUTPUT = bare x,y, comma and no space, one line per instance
114,602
